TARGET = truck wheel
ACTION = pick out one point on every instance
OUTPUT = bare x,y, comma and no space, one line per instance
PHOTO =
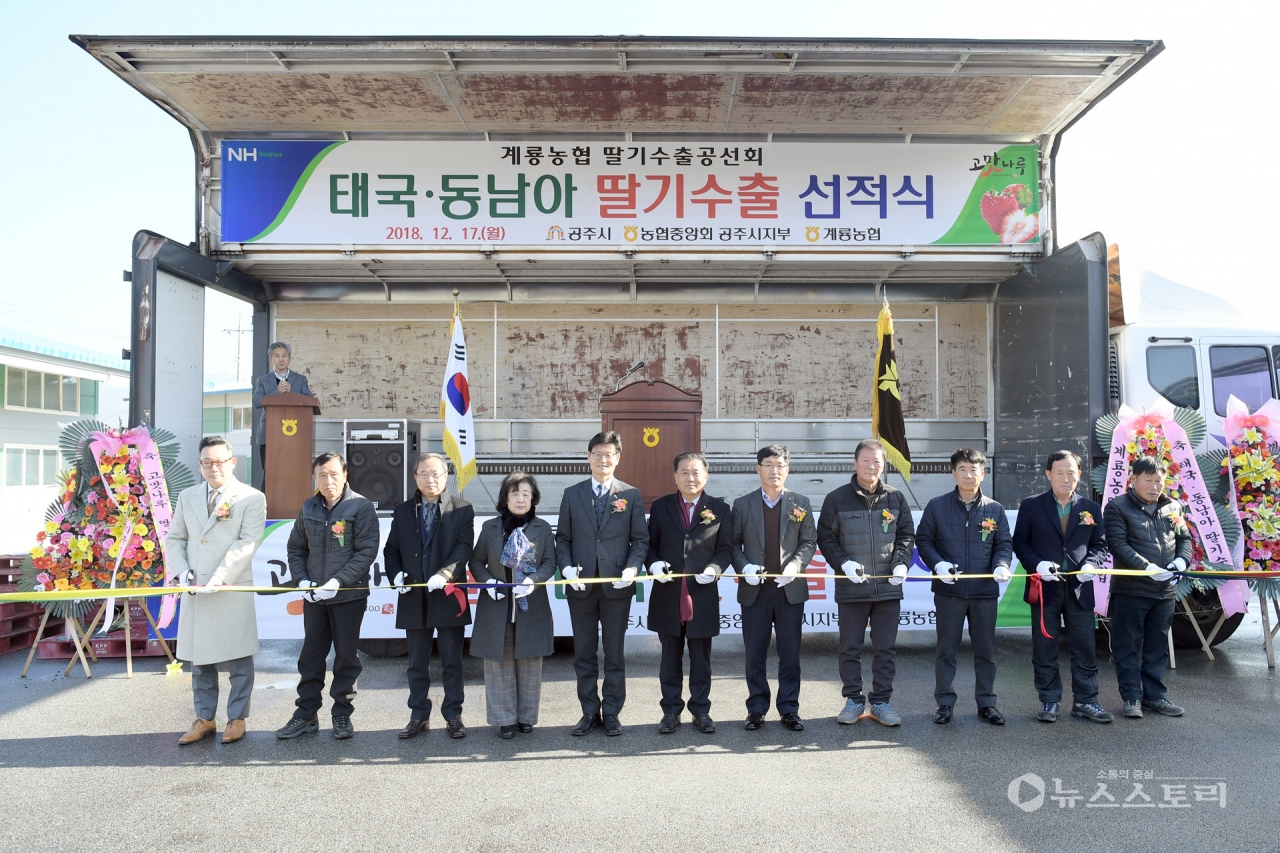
1206,608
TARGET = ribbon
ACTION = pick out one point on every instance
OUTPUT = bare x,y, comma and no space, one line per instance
1267,421
161,512
454,590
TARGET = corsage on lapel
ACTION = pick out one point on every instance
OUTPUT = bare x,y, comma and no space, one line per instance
1086,519
988,527
619,504
797,514
223,511
887,518
707,515
339,529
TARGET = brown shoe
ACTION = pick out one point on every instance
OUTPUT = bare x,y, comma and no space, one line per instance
233,732
199,729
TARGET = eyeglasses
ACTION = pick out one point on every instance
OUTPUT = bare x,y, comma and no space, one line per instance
780,466
604,457
431,475
210,464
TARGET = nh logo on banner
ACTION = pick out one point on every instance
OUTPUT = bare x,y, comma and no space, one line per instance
455,407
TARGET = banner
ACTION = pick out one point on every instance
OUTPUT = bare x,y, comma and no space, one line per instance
455,408
571,195
280,616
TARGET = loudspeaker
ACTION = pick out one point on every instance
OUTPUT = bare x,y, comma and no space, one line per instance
377,461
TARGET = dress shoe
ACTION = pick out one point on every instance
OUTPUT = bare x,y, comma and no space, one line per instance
991,715
942,716
233,732
414,728
612,727
524,728
506,732
704,723
670,722
754,721
792,722
298,726
342,728
586,724
198,731
455,728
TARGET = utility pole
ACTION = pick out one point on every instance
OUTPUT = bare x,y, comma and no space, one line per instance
238,331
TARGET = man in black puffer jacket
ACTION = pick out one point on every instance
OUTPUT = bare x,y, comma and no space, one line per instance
333,544
966,533
866,532
1146,530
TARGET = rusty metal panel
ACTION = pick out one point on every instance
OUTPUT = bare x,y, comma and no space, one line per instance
963,360
812,369
1039,103
585,311
867,102
866,311
552,368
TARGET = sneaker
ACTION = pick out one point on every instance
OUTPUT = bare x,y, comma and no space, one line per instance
851,713
1091,711
298,726
342,728
1165,707
1132,709
1048,713
883,713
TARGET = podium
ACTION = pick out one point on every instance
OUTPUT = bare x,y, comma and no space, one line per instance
657,422
290,442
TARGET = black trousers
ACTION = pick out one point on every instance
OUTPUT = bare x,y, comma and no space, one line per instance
772,612
449,641
1080,633
597,618
671,672
951,614
329,626
1140,645
883,617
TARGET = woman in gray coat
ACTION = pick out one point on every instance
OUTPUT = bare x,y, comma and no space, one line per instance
513,629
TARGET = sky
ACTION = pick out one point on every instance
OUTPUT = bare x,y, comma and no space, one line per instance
87,162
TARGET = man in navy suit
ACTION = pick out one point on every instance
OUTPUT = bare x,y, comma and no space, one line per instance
281,380
1059,533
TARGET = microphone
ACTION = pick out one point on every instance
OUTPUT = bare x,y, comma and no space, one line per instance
638,365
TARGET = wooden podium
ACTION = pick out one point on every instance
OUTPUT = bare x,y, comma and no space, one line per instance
657,423
290,441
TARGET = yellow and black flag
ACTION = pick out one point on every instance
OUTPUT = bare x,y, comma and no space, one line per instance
886,399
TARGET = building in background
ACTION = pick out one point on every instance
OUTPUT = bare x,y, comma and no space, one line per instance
228,412
44,385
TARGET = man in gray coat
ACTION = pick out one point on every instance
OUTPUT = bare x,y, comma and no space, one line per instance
772,541
281,380
601,533
216,530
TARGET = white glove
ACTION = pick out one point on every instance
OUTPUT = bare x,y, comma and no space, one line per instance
899,575
434,583
1002,574
788,575
304,587
707,575
1087,573
853,571
946,572
1047,571
491,587
525,588
749,573
212,585
571,573
400,582
1178,564
659,571
329,590
628,575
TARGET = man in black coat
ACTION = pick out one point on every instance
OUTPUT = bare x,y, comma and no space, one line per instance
1147,531
430,542
866,533
688,535
961,533
1058,534
331,549
601,533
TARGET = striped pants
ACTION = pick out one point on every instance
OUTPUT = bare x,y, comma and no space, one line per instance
512,686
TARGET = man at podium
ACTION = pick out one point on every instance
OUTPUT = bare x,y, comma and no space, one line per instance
281,380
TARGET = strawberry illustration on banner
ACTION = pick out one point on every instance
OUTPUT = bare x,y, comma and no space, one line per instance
455,407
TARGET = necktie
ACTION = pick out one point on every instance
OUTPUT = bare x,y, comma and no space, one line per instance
601,501
213,499
686,600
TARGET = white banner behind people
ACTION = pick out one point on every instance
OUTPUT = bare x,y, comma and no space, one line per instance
280,616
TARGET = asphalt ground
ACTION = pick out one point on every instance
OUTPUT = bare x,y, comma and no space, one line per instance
94,764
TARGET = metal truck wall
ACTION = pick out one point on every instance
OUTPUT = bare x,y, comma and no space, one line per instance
1050,365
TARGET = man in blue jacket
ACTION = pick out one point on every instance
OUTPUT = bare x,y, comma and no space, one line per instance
966,533
1060,533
